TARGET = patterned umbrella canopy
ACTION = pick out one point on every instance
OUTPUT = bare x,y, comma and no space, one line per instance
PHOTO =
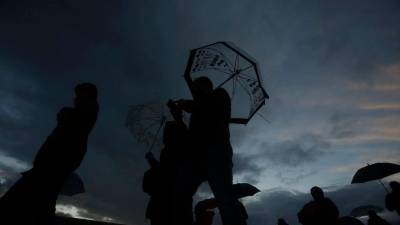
234,70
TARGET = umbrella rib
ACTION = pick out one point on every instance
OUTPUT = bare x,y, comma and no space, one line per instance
233,86
236,62
219,70
246,68
244,87
156,136
226,58
155,119
246,76
145,128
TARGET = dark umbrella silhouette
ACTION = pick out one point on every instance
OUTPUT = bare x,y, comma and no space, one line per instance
240,190
375,171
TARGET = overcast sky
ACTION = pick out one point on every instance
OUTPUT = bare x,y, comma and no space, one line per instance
332,69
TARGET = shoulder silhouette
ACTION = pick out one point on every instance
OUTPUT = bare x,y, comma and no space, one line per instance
34,196
374,219
319,211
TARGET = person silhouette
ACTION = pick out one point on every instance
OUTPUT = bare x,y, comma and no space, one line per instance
374,219
32,199
281,221
210,157
319,211
392,200
160,179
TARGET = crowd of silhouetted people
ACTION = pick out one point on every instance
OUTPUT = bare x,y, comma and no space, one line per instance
322,210
193,154
202,152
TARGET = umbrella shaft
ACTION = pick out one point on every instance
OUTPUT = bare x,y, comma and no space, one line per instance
384,186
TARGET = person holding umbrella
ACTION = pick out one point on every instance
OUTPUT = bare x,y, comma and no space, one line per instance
160,179
236,75
392,200
211,158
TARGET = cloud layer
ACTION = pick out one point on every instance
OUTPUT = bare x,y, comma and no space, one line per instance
332,70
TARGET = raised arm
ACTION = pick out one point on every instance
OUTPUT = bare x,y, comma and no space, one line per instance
151,159
187,77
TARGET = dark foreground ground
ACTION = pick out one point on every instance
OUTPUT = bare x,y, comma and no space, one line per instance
73,221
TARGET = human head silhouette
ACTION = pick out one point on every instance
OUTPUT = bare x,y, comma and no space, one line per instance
395,185
317,193
202,86
372,214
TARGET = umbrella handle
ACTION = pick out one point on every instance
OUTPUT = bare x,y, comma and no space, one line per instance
383,186
158,131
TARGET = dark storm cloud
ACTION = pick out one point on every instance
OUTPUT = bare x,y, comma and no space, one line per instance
343,125
290,180
246,167
282,159
57,45
135,51
293,152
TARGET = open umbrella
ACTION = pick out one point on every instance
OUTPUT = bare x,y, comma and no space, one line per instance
146,121
229,67
375,171
240,190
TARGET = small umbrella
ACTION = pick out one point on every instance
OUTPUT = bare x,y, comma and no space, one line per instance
146,121
240,190
375,171
73,186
